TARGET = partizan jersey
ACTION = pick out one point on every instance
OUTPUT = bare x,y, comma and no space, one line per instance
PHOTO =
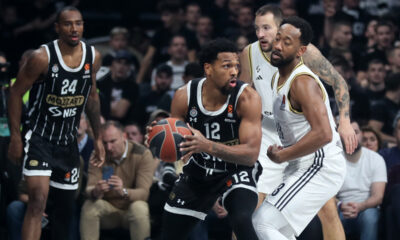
56,103
221,125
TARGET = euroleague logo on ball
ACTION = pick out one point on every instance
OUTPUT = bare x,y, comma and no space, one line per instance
165,137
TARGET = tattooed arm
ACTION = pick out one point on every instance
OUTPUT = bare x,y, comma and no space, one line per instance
324,69
93,114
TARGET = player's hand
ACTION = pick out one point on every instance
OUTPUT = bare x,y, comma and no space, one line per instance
195,143
117,184
219,210
100,188
15,149
273,153
348,136
148,130
100,154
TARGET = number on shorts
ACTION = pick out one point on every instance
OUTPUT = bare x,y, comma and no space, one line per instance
243,177
75,175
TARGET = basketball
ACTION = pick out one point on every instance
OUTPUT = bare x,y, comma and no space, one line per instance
165,137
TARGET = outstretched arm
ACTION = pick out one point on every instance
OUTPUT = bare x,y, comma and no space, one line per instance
324,69
93,114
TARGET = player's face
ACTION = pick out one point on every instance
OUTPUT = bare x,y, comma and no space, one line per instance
266,30
224,71
70,27
286,46
114,142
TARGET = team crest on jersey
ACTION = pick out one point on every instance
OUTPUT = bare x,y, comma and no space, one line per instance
282,107
193,115
55,68
33,163
87,68
230,111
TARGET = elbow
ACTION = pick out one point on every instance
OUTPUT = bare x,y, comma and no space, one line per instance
325,136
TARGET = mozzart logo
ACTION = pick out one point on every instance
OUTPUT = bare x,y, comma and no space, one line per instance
65,102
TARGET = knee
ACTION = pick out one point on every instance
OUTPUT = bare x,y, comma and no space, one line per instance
138,209
37,203
16,210
91,208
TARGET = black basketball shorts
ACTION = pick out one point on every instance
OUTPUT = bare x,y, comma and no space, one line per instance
43,158
194,196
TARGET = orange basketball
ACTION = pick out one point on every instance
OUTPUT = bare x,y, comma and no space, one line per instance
165,137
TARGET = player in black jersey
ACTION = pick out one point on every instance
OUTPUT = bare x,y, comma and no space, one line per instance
61,76
222,154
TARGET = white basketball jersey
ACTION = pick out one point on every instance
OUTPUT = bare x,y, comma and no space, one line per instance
292,125
261,74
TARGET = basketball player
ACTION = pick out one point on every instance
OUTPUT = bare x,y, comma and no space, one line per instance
61,75
257,69
224,115
311,146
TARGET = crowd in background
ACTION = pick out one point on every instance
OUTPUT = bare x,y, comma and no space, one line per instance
149,49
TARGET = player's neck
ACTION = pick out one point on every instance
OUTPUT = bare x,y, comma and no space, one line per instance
211,96
67,49
286,70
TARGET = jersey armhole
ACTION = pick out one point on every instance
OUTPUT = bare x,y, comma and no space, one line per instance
188,91
47,51
93,54
240,92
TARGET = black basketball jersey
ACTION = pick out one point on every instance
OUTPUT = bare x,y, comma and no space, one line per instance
219,126
56,103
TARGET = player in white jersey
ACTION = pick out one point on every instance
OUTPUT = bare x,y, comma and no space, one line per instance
311,146
257,69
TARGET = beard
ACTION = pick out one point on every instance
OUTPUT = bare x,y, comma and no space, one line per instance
281,62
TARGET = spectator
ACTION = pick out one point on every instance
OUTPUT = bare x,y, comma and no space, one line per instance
385,110
384,40
375,81
394,59
241,42
244,25
120,200
362,191
134,132
85,142
159,97
340,37
192,15
172,25
119,37
192,71
392,195
371,139
118,90
204,30
177,51
370,35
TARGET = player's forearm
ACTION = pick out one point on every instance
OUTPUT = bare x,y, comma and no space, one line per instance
311,142
14,112
240,154
93,114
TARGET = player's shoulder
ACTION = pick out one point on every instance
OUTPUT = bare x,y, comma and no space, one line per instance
249,94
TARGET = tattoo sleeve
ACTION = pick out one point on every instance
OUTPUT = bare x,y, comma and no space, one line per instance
324,69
